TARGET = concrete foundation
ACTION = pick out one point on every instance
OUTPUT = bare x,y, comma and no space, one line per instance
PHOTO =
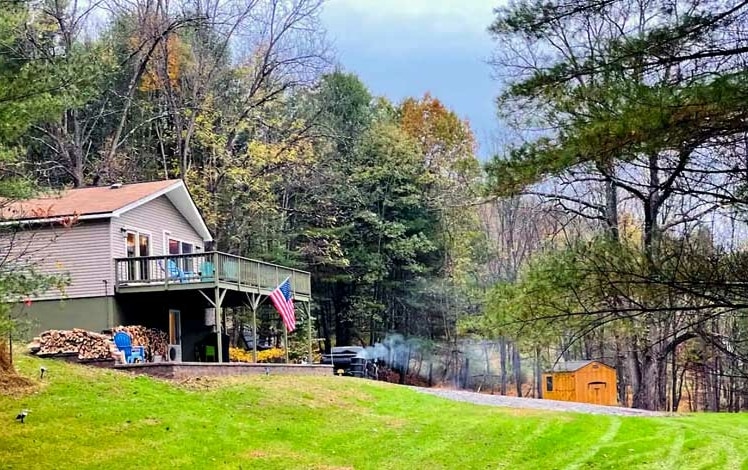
92,313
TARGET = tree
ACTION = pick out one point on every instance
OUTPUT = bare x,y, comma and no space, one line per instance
634,106
375,223
31,90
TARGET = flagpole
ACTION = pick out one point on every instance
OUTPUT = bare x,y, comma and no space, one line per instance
285,339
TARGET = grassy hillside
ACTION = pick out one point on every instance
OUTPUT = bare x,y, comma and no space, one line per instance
87,418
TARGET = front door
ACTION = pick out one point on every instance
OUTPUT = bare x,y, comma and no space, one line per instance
175,327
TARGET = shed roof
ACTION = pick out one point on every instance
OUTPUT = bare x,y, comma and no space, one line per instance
104,202
571,366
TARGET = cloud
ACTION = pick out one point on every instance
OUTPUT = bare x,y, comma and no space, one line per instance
438,16
407,47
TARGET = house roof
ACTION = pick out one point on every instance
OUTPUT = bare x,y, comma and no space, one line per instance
572,366
104,202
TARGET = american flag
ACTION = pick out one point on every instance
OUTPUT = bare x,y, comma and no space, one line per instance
283,302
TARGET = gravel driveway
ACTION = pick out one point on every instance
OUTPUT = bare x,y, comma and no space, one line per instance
551,405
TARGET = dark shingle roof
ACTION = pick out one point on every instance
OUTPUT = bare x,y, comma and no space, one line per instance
571,366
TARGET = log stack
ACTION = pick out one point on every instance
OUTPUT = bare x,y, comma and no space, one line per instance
88,346
155,341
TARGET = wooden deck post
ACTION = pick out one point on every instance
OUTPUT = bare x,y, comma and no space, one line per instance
254,303
219,315
308,311
216,302
254,335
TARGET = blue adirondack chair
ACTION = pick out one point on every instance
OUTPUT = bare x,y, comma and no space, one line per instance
132,353
206,271
174,272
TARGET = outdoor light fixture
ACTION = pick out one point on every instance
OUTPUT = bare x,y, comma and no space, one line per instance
22,416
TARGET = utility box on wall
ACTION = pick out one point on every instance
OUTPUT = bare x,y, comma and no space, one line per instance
210,317
174,353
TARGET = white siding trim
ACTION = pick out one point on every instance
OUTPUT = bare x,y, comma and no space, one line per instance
164,244
103,215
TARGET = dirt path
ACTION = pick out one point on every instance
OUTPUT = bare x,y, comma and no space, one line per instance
551,405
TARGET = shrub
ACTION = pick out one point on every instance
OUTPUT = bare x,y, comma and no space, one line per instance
267,355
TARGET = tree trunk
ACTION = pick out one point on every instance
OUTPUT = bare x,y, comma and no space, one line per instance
677,395
487,370
717,380
673,382
611,207
537,376
620,373
517,369
6,359
634,368
650,393
502,364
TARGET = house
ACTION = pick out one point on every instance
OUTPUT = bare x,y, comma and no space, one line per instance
581,381
135,254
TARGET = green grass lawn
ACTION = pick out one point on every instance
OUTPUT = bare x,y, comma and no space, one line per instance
87,418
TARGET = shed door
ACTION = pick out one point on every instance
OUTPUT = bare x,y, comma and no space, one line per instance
596,391
563,387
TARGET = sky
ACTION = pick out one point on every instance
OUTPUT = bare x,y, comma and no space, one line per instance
402,48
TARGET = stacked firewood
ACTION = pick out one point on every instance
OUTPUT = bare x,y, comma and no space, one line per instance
155,341
87,345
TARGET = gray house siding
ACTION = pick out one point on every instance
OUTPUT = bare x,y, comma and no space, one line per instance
93,314
86,253
155,218
81,252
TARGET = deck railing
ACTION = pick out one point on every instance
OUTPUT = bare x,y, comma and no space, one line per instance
211,267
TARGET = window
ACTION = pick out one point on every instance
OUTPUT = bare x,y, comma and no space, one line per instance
131,244
137,244
174,247
145,243
549,383
178,247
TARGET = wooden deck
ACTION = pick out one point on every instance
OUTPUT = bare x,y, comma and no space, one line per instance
207,270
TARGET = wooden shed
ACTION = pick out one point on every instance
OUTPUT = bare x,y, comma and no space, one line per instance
581,381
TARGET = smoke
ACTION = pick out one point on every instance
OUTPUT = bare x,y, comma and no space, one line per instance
394,350
464,364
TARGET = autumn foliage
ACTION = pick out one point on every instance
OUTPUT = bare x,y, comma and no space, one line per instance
445,140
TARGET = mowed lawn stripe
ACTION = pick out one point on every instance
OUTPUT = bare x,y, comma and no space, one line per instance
89,418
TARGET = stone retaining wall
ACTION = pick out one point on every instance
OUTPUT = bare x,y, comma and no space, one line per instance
185,370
